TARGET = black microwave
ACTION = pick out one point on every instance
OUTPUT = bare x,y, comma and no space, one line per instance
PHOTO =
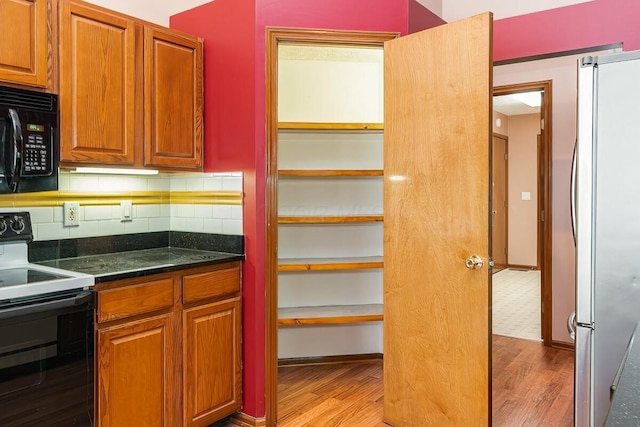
29,141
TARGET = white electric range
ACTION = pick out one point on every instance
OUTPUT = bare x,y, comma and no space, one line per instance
46,336
18,277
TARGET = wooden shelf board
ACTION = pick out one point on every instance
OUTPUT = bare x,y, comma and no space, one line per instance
329,219
332,314
329,126
325,172
327,264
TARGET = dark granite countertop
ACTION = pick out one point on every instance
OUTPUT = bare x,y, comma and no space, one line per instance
625,408
120,257
124,265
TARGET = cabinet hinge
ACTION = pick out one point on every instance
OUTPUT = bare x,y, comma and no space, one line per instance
506,156
542,215
506,204
541,124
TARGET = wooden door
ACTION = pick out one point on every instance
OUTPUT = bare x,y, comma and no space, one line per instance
499,204
135,367
173,100
212,362
437,138
25,42
97,86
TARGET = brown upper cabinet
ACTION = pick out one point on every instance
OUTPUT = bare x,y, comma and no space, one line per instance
130,91
97,86
26,42
173,99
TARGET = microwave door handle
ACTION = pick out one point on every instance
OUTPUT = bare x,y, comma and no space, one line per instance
18,146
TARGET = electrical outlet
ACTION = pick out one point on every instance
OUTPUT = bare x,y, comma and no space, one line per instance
71,214
126,211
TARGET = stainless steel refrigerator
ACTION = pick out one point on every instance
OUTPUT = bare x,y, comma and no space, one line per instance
607,227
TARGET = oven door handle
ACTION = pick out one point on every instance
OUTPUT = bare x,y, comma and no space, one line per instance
39,307
18,147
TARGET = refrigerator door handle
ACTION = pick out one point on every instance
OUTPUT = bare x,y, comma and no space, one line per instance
572,197
572,324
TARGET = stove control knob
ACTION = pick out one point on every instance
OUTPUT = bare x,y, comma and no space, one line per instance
17,224
3,226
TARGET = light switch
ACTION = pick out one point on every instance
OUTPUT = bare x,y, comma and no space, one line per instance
126,210
526,195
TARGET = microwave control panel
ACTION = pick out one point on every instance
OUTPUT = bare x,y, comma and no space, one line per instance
38,152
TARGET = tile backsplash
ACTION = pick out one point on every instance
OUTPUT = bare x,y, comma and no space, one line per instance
191,202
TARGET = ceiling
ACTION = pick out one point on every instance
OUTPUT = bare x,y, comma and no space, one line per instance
510,105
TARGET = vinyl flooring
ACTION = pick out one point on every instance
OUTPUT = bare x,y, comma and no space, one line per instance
532,386
516,304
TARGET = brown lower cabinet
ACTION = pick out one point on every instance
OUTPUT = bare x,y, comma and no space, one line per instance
169,348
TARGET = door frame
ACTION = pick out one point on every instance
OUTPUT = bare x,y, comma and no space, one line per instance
275,36
505,138
544,177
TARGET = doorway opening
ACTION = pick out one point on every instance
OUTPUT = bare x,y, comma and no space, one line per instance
297,173
521,211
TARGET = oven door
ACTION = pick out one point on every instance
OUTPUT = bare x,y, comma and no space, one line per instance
46,360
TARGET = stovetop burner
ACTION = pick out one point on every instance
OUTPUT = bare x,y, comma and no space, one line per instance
25,275
19,278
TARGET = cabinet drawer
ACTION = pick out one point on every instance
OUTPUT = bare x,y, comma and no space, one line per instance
136,299
197,287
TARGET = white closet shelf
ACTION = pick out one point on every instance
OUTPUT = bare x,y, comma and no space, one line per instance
339,219
331,314
314,173
328,264
329,126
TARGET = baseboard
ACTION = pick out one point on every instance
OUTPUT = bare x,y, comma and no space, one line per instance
326,360
522,267
563,345
244,420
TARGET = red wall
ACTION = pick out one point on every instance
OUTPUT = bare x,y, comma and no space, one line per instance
421,18
234,120
228,29
584,25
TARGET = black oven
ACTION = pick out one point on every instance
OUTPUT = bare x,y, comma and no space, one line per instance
29,144
46,360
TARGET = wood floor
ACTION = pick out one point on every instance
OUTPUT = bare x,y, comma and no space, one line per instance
532,386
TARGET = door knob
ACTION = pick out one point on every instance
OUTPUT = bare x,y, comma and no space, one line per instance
474,262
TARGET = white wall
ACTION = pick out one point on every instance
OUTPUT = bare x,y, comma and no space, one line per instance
178,6
563,73
330,84
434,6
452,10
150,10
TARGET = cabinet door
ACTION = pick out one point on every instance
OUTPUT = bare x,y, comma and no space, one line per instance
97,86
212,362
136,380
173,100
25,42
